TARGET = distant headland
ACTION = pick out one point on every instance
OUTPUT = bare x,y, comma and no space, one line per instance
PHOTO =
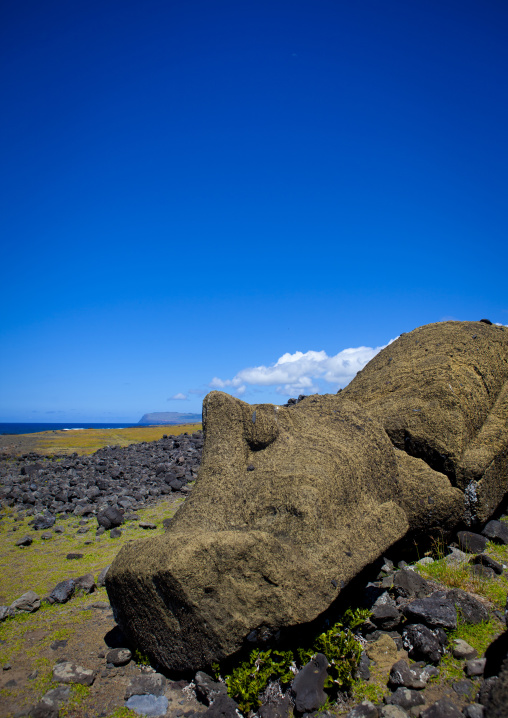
169,417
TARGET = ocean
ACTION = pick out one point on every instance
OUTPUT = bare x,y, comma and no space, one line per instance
17,428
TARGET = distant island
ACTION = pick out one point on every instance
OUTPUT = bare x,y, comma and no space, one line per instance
170,417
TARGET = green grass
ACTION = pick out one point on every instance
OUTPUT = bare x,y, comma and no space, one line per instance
42,565
460,576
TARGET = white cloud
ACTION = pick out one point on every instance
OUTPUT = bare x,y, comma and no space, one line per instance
178,397
297,373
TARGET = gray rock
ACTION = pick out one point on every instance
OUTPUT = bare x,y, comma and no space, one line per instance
456,557
85,584
151,683
115,533
74,556
421,643
147,525
101,579
110,518
207,689
28,602
463,650
276,708
63,591
307,686
484,560
25,541
148,705
6,612
119,656
68,672
482,571
405,698
222,707
443,708
475,667
432,611
385,617
464,688
401,674
43,522
474,710
470,609
365,709
496,531
392,711
471,542
409,584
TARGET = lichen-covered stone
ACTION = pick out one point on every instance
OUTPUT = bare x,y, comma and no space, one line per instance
292,502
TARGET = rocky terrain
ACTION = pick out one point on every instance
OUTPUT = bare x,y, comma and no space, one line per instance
124,478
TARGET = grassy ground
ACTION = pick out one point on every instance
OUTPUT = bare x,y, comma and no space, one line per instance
43,564
27,640
86,441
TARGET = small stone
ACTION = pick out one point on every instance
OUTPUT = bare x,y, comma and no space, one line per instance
443,708
475,667
63,591
464,688
74,556
307,686
46,536
406,698
25,541
473,710
101,579
6,667
6,612
43,522
147,525
484,560
119,656
67,672
402,674
115,533
152,683
482,571
433,611
470,609
463,650
148,705
496,531
392,711
28,602
85,584
61,643
471,542
365,709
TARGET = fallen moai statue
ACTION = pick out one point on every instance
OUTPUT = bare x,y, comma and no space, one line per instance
292,503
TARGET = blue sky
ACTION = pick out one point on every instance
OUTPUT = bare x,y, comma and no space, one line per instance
191,191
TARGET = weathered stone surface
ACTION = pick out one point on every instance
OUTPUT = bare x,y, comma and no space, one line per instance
406,676
433,611
307,686
110,518
63,591
470,609
496,531
410,584
28,602
148,705
462,650
471,542
475,667
24,541
207,689
67,672
406,698
443,708
484,560
416,442
421,643
152,683
365,709
119,656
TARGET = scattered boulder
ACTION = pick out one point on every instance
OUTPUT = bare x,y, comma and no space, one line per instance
421,643
484,560
433,611
365,709
207,689
496,531
151,683
119,656
148,705
410,584
67,672
43,522
110,518
63,591
25,541
85,584
406,676
406,698
470,609
463,650
307,686
28,602
470,542
443,708
475,667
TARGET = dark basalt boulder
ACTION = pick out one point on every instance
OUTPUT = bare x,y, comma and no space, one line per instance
291,503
